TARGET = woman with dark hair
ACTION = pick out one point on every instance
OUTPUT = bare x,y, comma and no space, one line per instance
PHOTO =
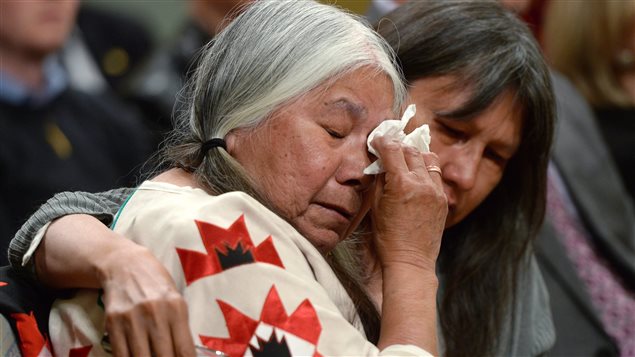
479,80
480,73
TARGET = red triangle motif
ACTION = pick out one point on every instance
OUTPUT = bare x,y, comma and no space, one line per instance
80,351
197,265
32,343
303,323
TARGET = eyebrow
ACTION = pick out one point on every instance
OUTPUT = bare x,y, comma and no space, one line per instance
355,110
458,114
505,148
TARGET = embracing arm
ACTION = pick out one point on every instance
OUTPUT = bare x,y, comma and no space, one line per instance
102,205
80,251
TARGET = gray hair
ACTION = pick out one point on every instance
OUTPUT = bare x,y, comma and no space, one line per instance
274,52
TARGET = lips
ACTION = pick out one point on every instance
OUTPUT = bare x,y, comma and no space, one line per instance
345,212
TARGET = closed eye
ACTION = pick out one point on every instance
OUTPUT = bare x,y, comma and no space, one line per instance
496,157
457,134
334,133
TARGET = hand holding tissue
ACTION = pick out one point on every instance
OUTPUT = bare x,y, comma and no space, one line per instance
394,129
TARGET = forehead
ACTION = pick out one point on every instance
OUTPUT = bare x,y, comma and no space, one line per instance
364,94
440,97
440,94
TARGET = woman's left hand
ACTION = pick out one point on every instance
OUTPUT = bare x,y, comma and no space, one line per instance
410,207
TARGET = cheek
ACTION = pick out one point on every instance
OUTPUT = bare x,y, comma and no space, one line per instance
293,176
485,184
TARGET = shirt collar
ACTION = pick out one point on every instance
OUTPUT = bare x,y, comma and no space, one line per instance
14,91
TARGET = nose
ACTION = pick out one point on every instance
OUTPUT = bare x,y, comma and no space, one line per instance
351,171
460,166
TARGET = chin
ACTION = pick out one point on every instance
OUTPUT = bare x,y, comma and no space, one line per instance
323,242
325,247
452,221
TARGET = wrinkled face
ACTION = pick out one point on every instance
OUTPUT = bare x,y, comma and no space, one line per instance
473,153
37,27
309,156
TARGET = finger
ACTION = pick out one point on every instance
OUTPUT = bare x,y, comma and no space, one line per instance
137,336
415,161
160,338
181,334
433,166
117,338
391,154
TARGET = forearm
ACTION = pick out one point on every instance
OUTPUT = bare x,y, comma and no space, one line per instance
66,258
101,205
409,307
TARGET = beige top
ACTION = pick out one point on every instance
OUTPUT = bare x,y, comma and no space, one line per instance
250,279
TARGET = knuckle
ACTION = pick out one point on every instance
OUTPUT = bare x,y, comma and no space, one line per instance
392,145
114,315
430,157
412,151
117,318
149,307
175,300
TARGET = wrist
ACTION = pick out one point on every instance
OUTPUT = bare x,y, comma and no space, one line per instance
411,259
407,273
113,257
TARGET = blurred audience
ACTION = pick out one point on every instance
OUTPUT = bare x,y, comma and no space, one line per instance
53,137
586,248
593,44
379,8
104,50
156,86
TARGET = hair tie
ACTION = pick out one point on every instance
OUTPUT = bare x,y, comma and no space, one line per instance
213,143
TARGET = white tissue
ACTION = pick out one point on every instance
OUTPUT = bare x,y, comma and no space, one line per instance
418,138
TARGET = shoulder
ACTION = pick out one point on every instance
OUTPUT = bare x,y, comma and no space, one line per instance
164,217
178,204
531,326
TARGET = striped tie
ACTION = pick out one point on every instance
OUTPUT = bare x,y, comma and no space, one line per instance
614,302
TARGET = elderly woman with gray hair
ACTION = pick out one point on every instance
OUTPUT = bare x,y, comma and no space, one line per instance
264,178
480,82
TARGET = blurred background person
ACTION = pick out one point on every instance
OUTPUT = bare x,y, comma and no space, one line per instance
593,44
587,246
53,137
378,8
155,87
104,49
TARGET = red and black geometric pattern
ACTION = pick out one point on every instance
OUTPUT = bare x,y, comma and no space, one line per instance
302,324
225,249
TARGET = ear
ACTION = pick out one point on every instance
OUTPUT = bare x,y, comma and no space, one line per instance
230,140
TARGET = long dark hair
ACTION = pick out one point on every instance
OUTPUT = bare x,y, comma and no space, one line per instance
489,51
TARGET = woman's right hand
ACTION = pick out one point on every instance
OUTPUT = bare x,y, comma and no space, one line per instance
145,314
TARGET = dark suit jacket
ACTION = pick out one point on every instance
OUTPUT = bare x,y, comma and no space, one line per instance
586,167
